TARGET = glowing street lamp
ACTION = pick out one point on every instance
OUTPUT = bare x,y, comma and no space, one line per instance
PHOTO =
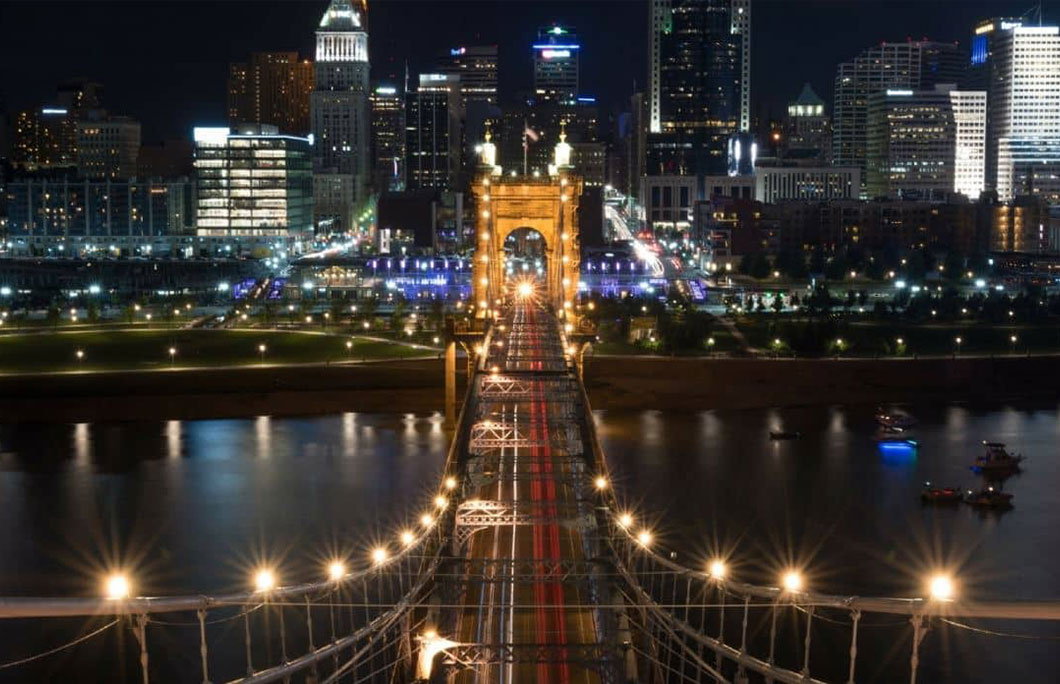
940,588
450,483
336,571
264,580
379,555
407,537
426,520
80,354
1013,339
261,350
117,587
349,347
600,482
172,355
625,520
440,502
957,341
791,581
717,569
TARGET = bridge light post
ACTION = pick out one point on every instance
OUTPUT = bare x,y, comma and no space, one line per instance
426,520
264,580
407,537
440,502
940,588
379,555
336,571
450,483
792,581
625,521
644,538
600,483
117,587
717,569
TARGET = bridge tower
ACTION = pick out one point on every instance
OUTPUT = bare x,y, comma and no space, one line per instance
546,204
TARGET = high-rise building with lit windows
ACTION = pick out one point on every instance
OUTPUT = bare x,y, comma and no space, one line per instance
740,23
108,148
556,53
913,65
1024,110
388,138
252,182
969,118
339,111
476,65
696,53
271,88
433,133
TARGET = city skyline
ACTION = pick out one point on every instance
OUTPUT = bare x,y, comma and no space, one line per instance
170,86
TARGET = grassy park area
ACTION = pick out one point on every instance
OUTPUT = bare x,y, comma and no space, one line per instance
150,349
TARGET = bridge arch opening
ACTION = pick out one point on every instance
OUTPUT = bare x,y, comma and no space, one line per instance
526,257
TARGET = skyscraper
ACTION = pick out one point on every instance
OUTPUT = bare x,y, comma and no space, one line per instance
740,23
340,115
476,65
271,88
1024,110
698,84
913,65
809,133
969,118
433,133
556,64
388,138
910,144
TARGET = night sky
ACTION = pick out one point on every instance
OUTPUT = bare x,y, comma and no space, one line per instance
165,63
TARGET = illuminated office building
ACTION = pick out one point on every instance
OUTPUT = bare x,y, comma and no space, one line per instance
476,65
913,65
45,138
696,52
808,131
556,53
339,111
252,182
271,88
388,138
433,133
108,148
1024,109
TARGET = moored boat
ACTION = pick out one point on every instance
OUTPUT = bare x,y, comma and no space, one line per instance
895,419
988,497
941,494
996,459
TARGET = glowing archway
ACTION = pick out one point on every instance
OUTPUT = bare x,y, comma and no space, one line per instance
548,206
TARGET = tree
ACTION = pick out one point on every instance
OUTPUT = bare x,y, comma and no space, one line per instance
759,266
778,303
52,316
744,266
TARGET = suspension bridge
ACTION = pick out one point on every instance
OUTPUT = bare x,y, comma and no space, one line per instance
526,566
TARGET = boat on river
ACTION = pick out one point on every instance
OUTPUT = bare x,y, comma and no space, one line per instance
988,497
996,460
899,420
941,495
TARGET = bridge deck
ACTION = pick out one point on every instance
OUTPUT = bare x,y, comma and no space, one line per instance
527,508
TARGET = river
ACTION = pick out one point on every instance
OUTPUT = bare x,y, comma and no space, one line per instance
192,506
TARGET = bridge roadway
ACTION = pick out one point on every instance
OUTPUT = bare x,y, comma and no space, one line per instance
538,619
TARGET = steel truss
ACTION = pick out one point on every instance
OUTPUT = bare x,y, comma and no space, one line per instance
592,655
476,515
486,435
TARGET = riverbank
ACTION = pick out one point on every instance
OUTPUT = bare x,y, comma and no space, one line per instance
676,384
615,383
411,386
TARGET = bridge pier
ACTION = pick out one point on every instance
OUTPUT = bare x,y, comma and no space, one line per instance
450,382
